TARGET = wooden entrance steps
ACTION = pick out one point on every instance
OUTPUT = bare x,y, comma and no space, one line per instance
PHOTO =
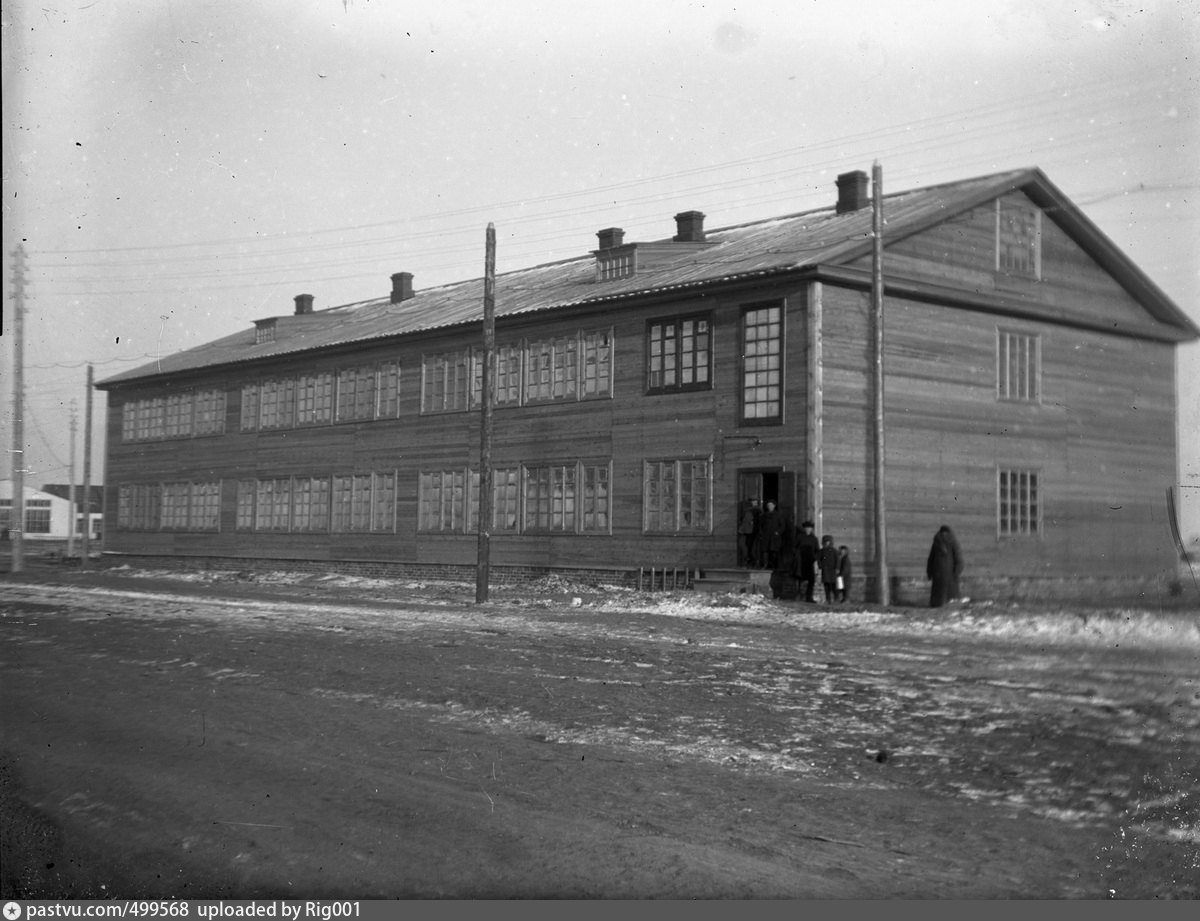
735,581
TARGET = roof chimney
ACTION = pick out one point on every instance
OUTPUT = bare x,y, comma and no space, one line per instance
690,227
303,304
852,191
402,288
610,237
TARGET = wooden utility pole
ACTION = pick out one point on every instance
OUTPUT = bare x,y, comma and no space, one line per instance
881,568
87,473
16,522
73,497
485,428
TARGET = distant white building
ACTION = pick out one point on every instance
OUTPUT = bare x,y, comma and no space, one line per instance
48,513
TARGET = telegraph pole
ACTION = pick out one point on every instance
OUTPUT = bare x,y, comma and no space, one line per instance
72,497
881,568
485,436
87,472
17,515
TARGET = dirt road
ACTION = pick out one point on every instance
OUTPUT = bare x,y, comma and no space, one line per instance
308,738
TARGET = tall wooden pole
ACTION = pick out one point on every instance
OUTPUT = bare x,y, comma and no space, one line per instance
87,473
73,496
485,428
881,567
17,514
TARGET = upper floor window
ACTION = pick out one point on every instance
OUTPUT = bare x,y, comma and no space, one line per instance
314,399
1018,366
679,354
762,364
1018,237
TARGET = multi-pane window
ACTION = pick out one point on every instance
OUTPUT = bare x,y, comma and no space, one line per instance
277,407
596,500
310,504
445,381
209,412
251,398
355,394
37,516
1018,366
616,265
1018,237
205,511
246,492
679,354
677,496
550,496
1018,503
762,364
314,399
139,506
273,510
387,396
179,415
596,354
506,499
175,500
448,501
364,502
552,369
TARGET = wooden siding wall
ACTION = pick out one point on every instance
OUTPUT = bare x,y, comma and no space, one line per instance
627,429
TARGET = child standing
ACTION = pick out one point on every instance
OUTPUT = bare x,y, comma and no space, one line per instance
842,586
827,564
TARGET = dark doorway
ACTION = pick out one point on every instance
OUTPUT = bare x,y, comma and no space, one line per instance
767,484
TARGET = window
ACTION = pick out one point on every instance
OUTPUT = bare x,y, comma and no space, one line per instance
597,364
762,364
209,412
205,512
506,499
37,516
595,502
251,399
314,399
616,265
550,495
139,506
277,407
246,491
179,415
1018,366
1018,503
355,394
310,504
1018,237
273,505
552,370
387,403
678,354
364,502
175,500
677,496
448,501
444,381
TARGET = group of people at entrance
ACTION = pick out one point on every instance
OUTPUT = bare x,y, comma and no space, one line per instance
795,557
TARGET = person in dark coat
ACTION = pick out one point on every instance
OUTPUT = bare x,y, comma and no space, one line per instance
747,529
844,569
783,576
771,530
807,546
944,567
827,563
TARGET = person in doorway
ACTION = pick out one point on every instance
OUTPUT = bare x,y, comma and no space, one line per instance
807,546
747,529
827,564
844,569
771,529
943,568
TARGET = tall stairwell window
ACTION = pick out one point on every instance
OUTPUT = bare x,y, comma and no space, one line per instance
762,364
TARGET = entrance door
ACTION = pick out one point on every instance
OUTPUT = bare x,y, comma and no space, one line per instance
767,484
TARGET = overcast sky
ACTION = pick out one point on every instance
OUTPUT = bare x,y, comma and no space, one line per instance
177,170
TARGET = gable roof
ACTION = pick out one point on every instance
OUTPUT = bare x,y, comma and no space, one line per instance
800,242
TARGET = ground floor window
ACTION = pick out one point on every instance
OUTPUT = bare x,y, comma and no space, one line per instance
677,495
1018,503
448,501
177,506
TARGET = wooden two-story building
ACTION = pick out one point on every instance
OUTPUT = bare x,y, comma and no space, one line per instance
644,389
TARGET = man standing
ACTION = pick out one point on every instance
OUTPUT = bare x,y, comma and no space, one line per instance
807,546
747,528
